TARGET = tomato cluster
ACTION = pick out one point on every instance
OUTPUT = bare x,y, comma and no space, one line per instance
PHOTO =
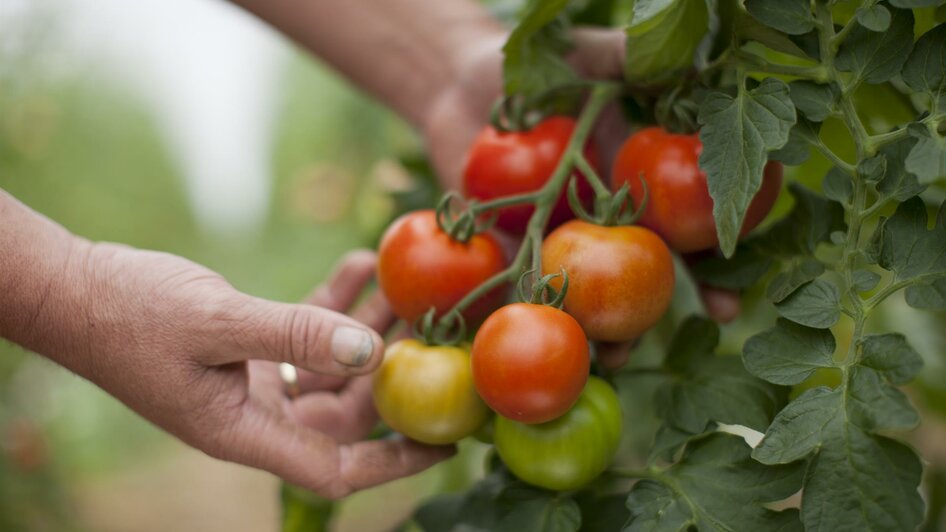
557,427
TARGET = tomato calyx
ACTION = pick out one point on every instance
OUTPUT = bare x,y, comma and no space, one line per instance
448,330
610,209
542,292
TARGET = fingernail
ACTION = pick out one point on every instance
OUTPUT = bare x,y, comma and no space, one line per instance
351,346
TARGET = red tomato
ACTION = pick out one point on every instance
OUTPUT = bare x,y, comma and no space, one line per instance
679,207
530,362
620,278
420,266
504,164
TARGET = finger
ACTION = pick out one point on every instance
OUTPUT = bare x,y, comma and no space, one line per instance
314,460
347,416
375,312
305,336
346,282
598,52
722,306
310,381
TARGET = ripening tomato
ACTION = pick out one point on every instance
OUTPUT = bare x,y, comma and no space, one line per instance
509,163
679,207
426,392
568,452
620,279
420,266
530,362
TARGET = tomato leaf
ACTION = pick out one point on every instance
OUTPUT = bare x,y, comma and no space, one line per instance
926,67
927,159
532,510
788,353
598,513
804,271
816,101
738,133
715,486
891,356
917,3
815,304
908,248
875,17
533,53
837,185
897,182
856,479
477,509
801,138
873,57
865,280
663,37
810,222
709,389
790,16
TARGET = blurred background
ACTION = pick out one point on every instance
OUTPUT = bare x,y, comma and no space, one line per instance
189,127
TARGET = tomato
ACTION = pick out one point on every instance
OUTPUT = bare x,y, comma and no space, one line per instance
679,207
568,452
508,163
420,266
530,362
620,278
426,392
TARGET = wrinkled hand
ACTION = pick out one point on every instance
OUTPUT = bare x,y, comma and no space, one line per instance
176,343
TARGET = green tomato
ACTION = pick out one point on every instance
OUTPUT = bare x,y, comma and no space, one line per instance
426,392
570,451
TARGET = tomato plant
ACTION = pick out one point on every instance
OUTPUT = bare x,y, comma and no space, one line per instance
679,207
812,403
507,163
530,362
427,393
621,277
569,451
414,248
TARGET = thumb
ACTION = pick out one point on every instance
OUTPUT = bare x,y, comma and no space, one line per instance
305,336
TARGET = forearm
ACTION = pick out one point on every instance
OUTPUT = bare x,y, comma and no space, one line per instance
404,52
38,264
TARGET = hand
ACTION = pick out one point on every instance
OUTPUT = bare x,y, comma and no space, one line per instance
180,346
461,111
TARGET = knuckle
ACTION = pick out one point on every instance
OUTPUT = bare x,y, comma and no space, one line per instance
304,336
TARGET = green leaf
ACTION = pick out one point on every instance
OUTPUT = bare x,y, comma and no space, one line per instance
927,159
788,353
908,248
897,182
801,138
737,134
789,16
668,441
816,304
533,53
856,480
304,511
741,271
865,280
873,169
477,509
929,295
799,273
716,486
837,185
663,37
924,70
891,356
440,513
532,510
873,57
875,17
655,507
816,101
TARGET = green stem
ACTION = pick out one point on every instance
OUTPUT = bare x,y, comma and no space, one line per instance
597,184
755,63
545,200
505,201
